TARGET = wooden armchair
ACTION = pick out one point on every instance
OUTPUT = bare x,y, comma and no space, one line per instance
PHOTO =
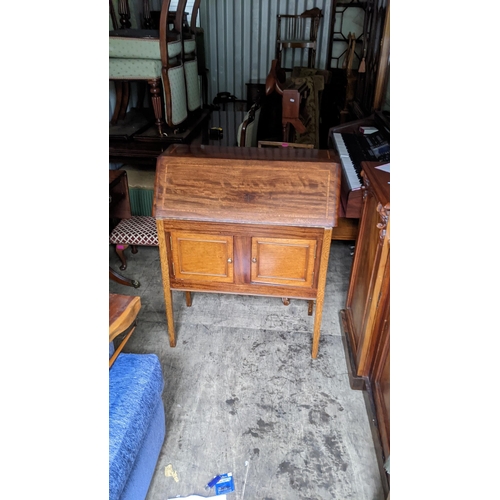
154,56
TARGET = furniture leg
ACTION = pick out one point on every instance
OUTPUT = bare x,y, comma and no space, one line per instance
119,249
118,103
310,307
320,299
165,273
189,299
154,87
125,99
118,278
134,249
124,11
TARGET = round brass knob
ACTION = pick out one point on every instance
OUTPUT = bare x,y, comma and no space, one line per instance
254,259
230,260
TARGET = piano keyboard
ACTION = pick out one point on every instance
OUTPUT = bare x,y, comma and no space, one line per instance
351,174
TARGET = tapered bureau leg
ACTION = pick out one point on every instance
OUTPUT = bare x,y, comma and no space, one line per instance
189,300
320,299
165,273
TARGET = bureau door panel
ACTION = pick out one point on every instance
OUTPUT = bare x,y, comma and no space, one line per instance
283,261
202,257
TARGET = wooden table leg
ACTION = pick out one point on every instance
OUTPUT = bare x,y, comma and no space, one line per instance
165,273
325,256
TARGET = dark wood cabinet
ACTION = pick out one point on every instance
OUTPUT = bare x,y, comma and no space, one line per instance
369,281
365,321
250,221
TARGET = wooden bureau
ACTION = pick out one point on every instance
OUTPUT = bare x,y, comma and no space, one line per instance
250,221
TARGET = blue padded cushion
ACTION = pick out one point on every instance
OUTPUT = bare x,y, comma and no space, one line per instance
135,384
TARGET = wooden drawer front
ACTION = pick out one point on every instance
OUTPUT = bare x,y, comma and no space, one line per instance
283,261
202,257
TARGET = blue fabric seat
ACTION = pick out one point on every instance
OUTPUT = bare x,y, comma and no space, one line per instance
136,424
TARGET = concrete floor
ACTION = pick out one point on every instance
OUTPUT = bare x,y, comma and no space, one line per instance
243,395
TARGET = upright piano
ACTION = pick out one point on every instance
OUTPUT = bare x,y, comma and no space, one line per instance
366,139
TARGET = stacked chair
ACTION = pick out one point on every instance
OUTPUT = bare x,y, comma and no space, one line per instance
165,58
191,61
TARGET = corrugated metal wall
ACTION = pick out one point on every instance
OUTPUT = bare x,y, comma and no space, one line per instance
240,40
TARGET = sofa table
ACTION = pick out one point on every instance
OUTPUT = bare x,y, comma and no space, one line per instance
250,221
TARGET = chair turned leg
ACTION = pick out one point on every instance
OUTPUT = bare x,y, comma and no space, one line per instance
119,249
118,103
134,249
286,301
310,308
154,87
125,99
189,299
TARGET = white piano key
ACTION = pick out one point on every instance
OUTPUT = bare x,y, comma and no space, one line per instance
350,173
347,165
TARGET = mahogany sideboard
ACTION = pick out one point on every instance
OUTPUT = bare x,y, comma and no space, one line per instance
365,321
252,221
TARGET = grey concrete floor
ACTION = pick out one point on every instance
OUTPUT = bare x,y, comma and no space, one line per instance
243,395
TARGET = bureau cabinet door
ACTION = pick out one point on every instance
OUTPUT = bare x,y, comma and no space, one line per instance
202,257
283,261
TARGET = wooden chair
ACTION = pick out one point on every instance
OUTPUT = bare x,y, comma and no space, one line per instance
298,32
294,93
122,87
154,56
190,60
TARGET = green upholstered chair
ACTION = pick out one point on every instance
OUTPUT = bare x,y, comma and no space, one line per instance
156,57
189,36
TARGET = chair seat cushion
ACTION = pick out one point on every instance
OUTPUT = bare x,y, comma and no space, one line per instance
138,230
135,387
141,48
134,69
